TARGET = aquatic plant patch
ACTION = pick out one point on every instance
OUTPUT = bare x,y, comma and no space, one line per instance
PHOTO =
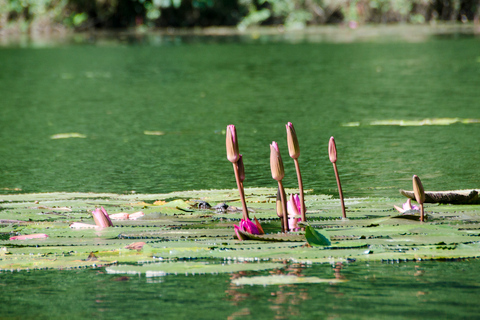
175,227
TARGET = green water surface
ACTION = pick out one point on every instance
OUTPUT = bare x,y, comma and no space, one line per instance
423,290
112,92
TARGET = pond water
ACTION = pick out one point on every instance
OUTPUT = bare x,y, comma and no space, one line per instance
423,290
152,113
149,114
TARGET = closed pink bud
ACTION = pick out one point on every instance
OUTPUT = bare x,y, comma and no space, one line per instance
418,190
332,150
276,163
232,144
293,146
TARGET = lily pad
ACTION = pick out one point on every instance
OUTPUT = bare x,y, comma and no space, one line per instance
282,280
315,238
164,268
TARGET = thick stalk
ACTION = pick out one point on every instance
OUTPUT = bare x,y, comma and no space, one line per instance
300,187
240,190
284,205
344,215
422,218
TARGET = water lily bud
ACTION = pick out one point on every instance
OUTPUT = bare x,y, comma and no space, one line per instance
279,204
276,163
292,208
332,150
232,144
110,224
418,190
241,168
101,220
293,147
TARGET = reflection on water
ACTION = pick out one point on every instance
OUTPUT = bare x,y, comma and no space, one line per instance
115,96
418,290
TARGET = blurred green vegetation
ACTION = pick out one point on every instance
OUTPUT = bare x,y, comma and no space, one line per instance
44,16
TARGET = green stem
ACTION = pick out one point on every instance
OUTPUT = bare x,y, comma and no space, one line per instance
422,217
284,205
344,215
300,187
242,193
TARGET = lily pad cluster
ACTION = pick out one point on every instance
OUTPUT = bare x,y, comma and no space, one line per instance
175,229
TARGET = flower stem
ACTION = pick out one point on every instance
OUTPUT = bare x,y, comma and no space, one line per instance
344,215
242,193
422,218
284,205
300,187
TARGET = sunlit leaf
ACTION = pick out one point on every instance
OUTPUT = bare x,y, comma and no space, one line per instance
282,280
164,268
68,135
315,238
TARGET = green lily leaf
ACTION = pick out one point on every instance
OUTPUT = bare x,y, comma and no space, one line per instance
281,280
315,238
273,237
164,268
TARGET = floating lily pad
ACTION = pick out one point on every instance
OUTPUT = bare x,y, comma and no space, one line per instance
315,238
282,280
371,233
164,268
274,237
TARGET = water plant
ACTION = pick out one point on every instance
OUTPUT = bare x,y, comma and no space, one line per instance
332,154
246,225
294,152
407,207
234,156
101,218
278,173
29,236
294,208
419,194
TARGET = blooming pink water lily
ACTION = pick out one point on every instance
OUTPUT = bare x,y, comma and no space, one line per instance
246,225
294,209
407,207
101,218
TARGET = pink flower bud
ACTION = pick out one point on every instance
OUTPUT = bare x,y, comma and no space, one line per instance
293,146
276,163
232,144
332,150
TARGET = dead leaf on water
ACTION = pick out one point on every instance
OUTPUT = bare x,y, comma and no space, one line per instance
68,135
153,133
415,123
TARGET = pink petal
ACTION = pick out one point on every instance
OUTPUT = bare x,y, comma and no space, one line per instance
296,197
407,205
119,216
110,224
292,223
30,236
100,218
250,227
275,145
136,215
